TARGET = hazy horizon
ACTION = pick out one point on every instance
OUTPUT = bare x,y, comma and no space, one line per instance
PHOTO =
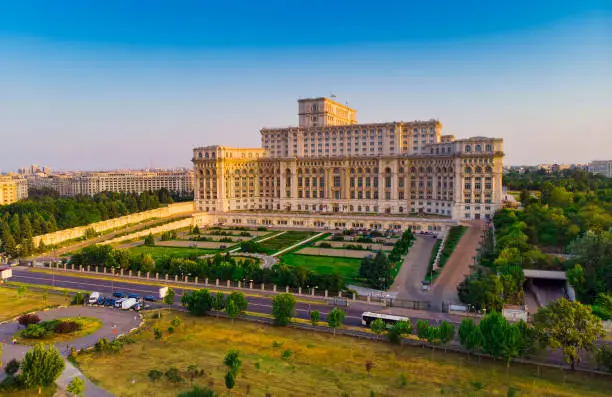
108,86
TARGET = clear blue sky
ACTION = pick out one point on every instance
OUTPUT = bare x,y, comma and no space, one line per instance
118,84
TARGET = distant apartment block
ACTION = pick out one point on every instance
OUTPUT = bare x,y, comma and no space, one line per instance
12,188
90,183
601,167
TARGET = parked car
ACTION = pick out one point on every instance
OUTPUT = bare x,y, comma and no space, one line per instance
93,297
137,307
101,301
118,294
135,296
118,302
150,298
110,302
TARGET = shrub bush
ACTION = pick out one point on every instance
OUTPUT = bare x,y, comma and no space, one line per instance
78,299
155,375
245,234
173,375
34,331
225,240
170,329
337,237
28,319
325,245
12,367
67,327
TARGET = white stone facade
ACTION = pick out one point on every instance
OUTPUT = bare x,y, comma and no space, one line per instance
397,168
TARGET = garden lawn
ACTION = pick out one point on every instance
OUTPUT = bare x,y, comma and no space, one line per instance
89,325
11,305
161,252
285,240
348,268
314,364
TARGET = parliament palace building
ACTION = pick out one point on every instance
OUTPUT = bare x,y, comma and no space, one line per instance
332,172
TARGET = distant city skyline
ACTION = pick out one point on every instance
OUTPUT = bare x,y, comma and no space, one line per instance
103,87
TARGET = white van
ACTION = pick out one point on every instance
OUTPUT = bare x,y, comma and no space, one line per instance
128,303
93,298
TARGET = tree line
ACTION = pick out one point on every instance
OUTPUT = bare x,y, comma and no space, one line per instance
568,211
44,212
222,267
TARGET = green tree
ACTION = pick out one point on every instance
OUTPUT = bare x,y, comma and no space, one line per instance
149,240
469,335
513,343
335,318
41,366
76,387
232,309
422,328
8,241
169,298
282,308
400,328
15,226
232,362
315,315
239,300
447,332
378,326
568,326
198,302
219,302
196,230
230,381
493,329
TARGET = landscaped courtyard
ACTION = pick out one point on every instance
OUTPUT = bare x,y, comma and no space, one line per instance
158,252
347,268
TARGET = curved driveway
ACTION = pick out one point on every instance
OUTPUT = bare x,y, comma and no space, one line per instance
114,323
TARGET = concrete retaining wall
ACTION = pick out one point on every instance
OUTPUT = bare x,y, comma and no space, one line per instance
78,232
188,222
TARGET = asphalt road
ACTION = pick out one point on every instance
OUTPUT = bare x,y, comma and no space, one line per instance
258,304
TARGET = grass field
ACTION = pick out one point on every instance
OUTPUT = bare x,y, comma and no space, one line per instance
89,325
46,392
285,240
11,305
348,268
160,252
289,362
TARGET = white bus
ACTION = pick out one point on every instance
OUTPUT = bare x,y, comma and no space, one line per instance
389,319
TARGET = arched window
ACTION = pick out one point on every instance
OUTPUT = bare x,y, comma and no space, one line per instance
412,170
352,170
478,148
200,155
429,170
489,170
468,170
478,170
401,170
488,147
212,155
387,170
367,171
421,170
360,170
468,148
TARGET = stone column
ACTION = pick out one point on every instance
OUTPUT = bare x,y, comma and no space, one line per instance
228,283
274,288
121,273
287,289
195,280
299,290
148,275
250,285
354,297
339,294
87,268
176,278
186,278
138,274
206,282
262,286
312,292
217,282
166,276
129,273
368,300
156,276
326,292
238,284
